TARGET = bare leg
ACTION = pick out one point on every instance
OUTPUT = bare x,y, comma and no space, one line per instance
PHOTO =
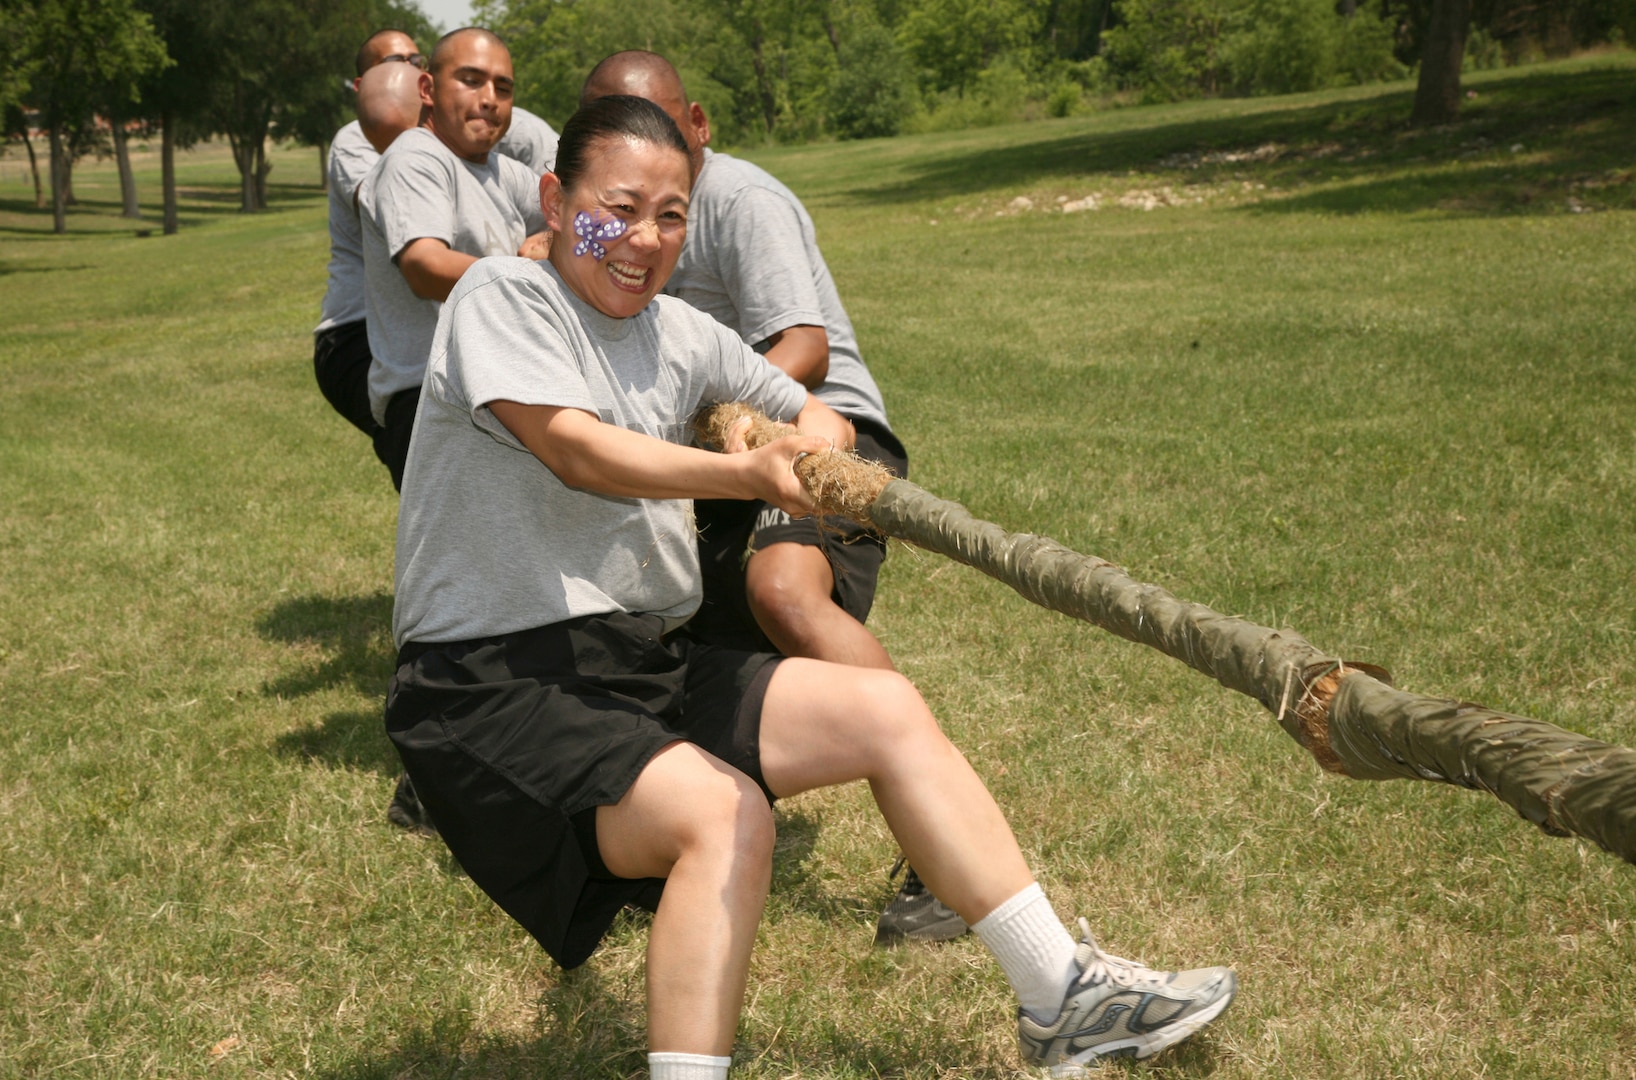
789,587
822,725
707,828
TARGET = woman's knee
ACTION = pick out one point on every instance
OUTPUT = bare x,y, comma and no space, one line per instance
895,716
676,812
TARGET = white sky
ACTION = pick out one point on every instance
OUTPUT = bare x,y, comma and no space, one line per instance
453,14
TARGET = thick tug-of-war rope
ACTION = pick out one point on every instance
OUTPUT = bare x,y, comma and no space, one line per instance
1347,715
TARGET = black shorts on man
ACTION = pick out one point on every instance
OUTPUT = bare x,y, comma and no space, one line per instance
340,363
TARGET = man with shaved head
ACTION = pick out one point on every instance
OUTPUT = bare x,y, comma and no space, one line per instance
340,356
439,199
389,103
751,260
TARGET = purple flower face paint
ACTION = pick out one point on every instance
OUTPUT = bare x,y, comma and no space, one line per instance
593,225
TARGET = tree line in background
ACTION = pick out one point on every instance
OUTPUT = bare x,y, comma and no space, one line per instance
793,70
90,73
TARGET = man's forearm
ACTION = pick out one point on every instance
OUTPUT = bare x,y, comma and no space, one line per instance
432,268
802,353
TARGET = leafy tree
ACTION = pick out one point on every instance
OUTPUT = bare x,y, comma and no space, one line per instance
872,93
276,55
316,108
176,100
85,53
1171,49
17,65
952,41
1288,46
555,43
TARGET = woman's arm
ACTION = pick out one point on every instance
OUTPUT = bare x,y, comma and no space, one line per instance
587,454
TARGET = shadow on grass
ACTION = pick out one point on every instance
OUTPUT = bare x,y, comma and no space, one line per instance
586,1031
7,269
352,634
1567,126
96,218
354,739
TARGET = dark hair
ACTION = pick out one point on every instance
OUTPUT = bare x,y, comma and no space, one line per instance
361,61
617,116
440,51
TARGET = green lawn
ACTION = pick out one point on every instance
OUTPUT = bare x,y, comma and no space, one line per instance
1374,384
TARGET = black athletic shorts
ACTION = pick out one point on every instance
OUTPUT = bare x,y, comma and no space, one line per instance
392,438
730,530
513,742
340,363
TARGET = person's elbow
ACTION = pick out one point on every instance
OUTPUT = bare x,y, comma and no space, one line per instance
427,270
802,353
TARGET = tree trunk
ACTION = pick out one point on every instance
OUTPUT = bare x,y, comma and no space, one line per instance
830,31
1437,95
244,157
764,89
59,182
127,179
167,169
262,169
33,167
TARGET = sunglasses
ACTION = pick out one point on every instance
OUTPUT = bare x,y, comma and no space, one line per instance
415,59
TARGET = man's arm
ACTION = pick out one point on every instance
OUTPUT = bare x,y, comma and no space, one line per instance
802,353
587,454
432,267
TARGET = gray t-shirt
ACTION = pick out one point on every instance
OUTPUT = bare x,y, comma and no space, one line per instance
489,540
350,159
529,140
422,189
752,261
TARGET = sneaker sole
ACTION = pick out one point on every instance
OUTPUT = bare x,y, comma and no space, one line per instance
943,931
1141,1046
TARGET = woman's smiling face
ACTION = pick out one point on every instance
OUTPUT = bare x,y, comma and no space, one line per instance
619,231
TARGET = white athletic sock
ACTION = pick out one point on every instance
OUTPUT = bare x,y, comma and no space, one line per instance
1034,949
668,1066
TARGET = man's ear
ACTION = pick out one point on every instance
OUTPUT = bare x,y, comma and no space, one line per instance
700,122
426,89
551,201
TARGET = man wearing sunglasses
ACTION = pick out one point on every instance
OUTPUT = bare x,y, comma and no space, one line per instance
340,355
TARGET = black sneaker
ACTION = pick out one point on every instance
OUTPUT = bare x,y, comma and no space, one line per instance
406,811
915,914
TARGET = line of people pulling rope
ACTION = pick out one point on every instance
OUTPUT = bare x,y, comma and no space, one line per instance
616,649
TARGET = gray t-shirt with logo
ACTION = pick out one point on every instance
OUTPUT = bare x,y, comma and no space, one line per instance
530,140
422,189
489,540
350,159
752,261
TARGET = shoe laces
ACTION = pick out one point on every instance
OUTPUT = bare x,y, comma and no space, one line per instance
1097,966
912,885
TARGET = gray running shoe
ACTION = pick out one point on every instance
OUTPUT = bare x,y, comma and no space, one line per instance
915,914
1119,1008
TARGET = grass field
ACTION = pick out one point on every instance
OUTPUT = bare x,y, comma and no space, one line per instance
1299,363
